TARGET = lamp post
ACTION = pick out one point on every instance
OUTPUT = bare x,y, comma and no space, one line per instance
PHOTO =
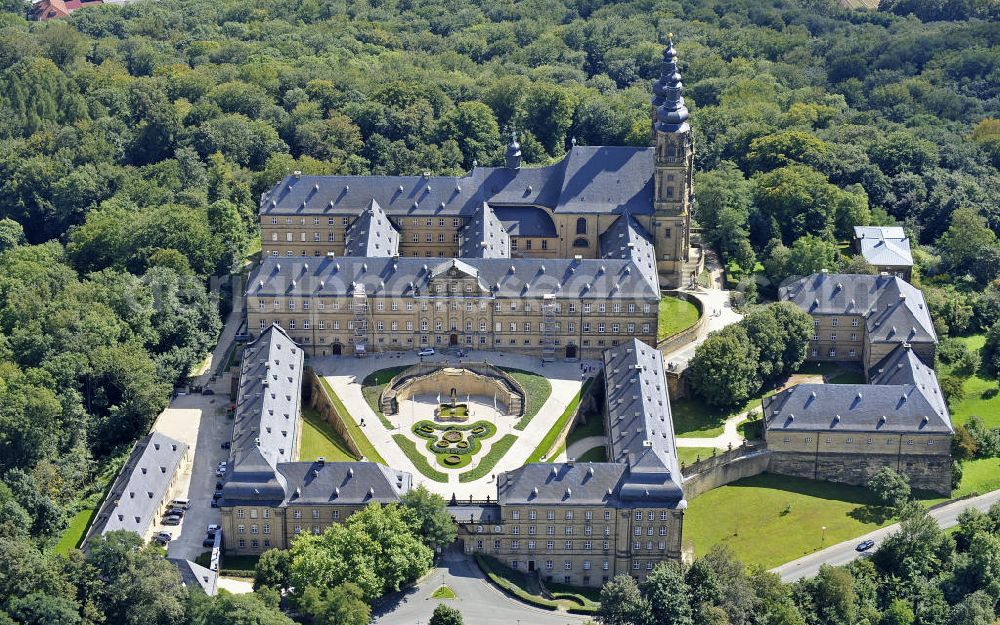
823,538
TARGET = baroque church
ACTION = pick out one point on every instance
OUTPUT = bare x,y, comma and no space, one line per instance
605,224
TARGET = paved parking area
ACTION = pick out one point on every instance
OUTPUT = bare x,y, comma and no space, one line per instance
201,422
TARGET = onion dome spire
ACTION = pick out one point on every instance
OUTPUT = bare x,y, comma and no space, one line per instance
671,114
513,154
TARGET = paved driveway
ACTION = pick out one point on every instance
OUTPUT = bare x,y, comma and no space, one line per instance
478,601
199,421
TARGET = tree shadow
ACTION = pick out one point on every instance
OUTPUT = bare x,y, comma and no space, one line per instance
870,513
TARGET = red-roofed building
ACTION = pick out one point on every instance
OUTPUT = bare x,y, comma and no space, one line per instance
49,9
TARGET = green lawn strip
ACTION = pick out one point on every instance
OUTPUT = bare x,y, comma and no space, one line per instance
360,440
443,592
596,454
693,418
490,460
676,314
772,519
690,455
372,387
74,533
536,390
593,427
552,435
982,398
513,582
418,459
319,439
586,597
231,566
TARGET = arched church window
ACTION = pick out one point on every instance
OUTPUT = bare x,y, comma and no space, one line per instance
581,226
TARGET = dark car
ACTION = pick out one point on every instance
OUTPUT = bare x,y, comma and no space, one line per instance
208,542
217,495
865,545
215,503
218,486
172,520
207,391
174,512
227,445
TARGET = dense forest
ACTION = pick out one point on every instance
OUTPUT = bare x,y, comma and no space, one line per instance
134,141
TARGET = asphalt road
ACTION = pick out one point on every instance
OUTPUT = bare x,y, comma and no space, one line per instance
478,601
946,516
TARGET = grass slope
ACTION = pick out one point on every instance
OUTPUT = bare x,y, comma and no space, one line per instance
545,446
360,440
418,459
772,519
74,532
319,439
537,390
596,454
689,455
981,396
372,387
675,315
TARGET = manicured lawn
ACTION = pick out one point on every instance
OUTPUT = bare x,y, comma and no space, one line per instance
545,447
458,410
524,588
74,532
372,387
321,440
443,592
978,476
690,455
833,373
490,460
597,454
675,315
772,519
537,390
982,398
418,459
360,440
593,427
694,419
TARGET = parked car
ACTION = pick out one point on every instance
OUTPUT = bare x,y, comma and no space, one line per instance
215,503
165,536
865,545
208,542
174,512
207,391
218,485
172,520
217,495
159,541
181,502
227,445
213,528
427,351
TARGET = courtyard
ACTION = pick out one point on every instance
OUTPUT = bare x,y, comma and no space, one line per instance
456,442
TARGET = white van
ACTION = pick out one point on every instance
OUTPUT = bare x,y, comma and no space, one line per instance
181,503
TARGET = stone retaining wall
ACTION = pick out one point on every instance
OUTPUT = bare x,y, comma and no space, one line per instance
480,379
724,468
926,472
317,399
687,335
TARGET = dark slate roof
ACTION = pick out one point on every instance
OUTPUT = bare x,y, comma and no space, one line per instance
266,421
484,236
904,397
343,482
372,234
475,513
579,483
589,179
526,221
626,238
142,485
884,245
893,309
640,426
196,576
406,276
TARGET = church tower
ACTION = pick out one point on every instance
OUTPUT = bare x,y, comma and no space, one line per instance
674,168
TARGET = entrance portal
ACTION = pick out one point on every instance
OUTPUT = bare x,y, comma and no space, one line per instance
337,349
453,340
571,351
531,566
